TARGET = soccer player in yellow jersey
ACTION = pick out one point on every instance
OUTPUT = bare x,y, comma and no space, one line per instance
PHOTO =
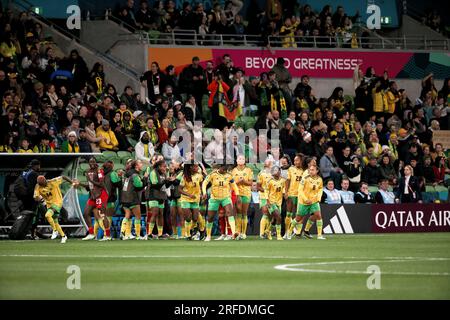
243,176
263,178
276,187
221,184
294,177
309,195
50,191
190,190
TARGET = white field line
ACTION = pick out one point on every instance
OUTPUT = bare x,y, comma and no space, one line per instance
217,256
295,267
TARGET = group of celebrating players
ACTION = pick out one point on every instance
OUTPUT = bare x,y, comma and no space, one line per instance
194,198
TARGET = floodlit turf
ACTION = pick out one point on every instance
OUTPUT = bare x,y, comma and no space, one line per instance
413,266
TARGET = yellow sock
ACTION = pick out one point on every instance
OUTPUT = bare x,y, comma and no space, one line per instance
110,221
287,223
101,224
209,226
232,223
278,227
201,223
174,230
128,229
262,225
160,231
183,231
137,227
49,217
151,226
309,224
96,226
59,229
123,226
239,223
244,224
319,227
187,226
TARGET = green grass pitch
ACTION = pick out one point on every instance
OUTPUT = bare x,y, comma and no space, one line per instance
412,266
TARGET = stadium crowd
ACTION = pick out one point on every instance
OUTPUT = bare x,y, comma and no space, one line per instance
52,103
291,24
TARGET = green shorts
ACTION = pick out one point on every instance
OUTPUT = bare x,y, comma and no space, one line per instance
294,200
304,209
111,205
56,210
214,204
189,205
155,204
244,199
174,203
274,207
202,207
130,205
262,203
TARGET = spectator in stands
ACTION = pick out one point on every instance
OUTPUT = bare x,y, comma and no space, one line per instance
164,132
143,16
363,195
71,144
387,170
192,81
288,139
109,141
170,149
440,169
371,172
91,136
44,145
347,196
24,146
329,166
408,190
383,195
330,194
128,99
274,10
154,80
76,64
144,148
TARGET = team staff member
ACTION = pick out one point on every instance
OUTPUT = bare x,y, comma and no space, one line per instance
112,182
130,198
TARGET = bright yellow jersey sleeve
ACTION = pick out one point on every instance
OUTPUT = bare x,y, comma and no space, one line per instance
310,189
263,179
294,176
276,189
247,175
51,193
192,187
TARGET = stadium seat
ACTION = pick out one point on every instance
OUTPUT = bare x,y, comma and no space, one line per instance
442,192
373,190
109,155
124,155
119,166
